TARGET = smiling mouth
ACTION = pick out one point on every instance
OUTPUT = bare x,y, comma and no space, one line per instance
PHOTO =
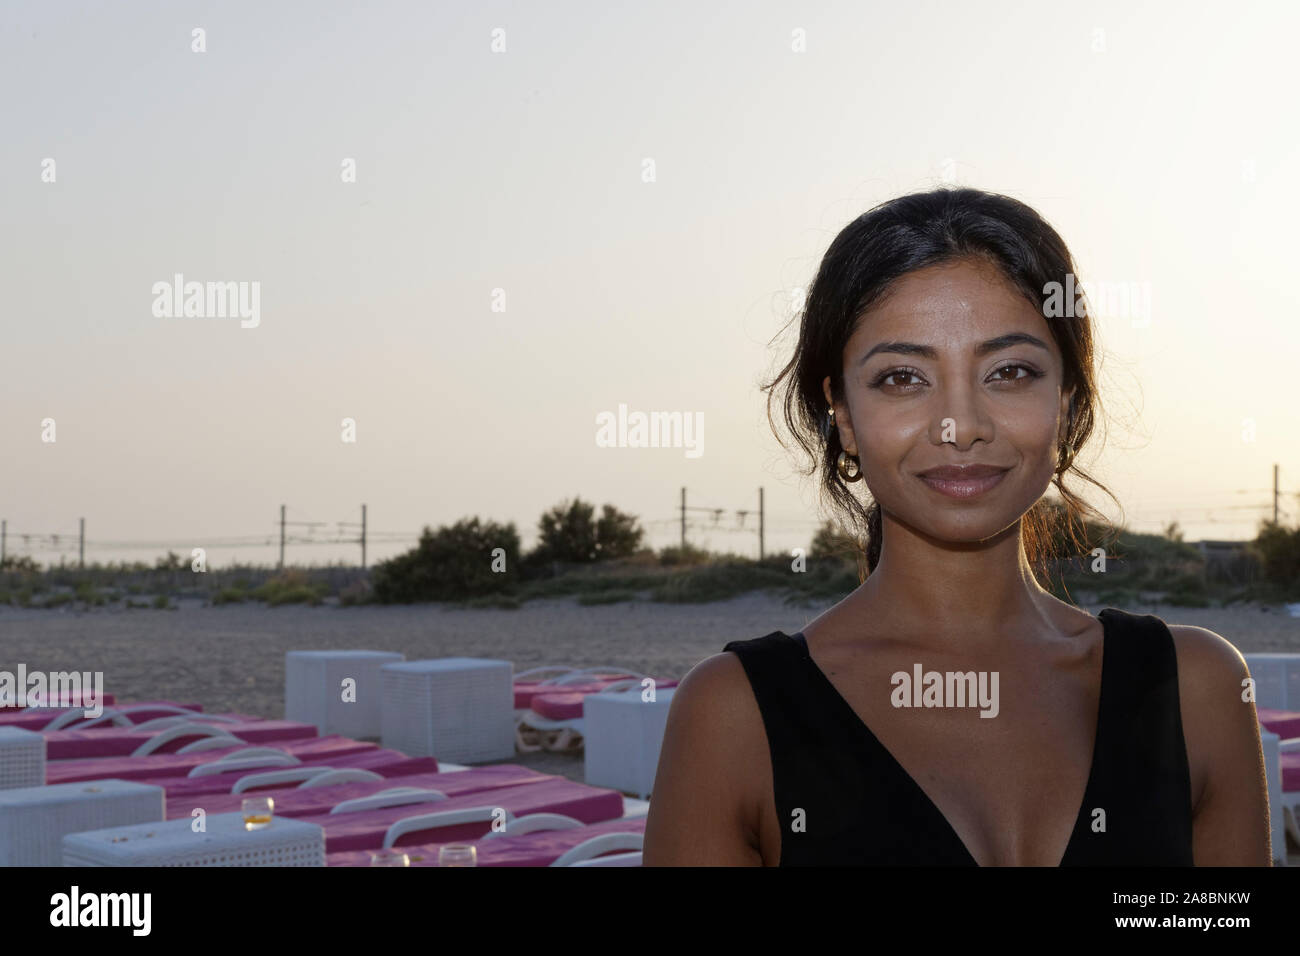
963,488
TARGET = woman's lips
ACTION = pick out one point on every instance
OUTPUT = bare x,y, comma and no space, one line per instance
962,487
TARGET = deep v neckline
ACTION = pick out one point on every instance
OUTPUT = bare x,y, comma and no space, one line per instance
801,643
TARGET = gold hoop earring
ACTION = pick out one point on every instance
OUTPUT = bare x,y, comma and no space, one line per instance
1067,456
842,466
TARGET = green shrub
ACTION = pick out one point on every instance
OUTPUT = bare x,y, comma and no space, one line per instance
717,582
571,532
294,594
1279,553
451,564
690,555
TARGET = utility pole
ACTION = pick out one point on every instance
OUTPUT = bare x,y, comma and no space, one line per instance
1275,494
81,541
281,537
4,531
683,519
760,524
363,537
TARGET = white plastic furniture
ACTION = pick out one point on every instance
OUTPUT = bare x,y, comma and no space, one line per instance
223,738
1273,769
623,734
1277,680
22,758
314,693
586,853
454,708
346,775
34,820
392,797
1290,798
445,818
225,842
535,823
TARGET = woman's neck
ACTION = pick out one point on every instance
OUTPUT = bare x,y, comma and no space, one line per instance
973,592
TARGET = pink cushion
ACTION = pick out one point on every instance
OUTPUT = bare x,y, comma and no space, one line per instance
567,705
291,801
318,749
526,690
1284,723
38,721
365,829
1290,772
386,763
529,849
558,706
122,741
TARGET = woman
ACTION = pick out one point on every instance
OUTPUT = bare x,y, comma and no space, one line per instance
950,711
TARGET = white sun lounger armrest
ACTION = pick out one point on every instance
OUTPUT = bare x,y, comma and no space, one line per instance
393,797
215,742
253,752
535,822
245,763
1288,746
180,730
445,818
273,777
71,716
204,720
346,775
180,714
601,844
160,723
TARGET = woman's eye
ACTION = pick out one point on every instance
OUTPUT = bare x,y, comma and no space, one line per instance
898,378
1029,373
897,373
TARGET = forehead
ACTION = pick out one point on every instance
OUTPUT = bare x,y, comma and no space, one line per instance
954,304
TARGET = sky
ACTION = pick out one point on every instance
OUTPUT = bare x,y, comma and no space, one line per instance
476,227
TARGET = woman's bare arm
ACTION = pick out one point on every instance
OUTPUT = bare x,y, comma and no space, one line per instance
1230,825
702,811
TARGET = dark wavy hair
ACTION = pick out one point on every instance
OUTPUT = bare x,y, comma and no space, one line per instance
880,246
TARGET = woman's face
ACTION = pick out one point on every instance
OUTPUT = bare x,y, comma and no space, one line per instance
922,390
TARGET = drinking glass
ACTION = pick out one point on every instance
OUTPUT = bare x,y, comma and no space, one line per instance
258,812
457,854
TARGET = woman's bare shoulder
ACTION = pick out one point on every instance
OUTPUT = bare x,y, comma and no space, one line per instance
704,807
716,688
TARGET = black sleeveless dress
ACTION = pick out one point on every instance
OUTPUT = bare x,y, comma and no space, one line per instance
861,808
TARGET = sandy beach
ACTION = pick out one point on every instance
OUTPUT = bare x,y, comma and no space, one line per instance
231,657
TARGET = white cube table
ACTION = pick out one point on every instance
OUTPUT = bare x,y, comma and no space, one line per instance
1277,680
622,735
34,820
22,758
313,690
226,842
459,709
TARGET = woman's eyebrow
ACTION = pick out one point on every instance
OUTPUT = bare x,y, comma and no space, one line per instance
984,348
